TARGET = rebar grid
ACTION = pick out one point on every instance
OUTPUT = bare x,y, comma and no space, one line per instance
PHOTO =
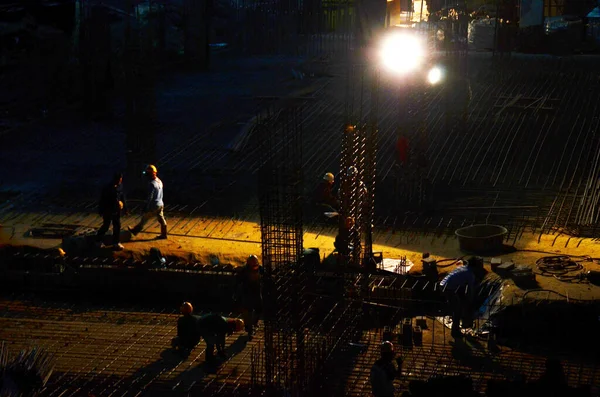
309,28
437,360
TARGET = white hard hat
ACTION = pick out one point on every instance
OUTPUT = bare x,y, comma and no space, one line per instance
352,170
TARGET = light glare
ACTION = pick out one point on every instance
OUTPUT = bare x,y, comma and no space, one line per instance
435,75
402,53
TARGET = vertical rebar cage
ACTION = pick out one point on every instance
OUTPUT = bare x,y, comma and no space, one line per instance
280,178
358,164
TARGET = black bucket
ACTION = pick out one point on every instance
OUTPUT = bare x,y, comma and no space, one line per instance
481,239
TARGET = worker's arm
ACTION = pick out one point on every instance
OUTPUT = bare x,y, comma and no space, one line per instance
123,199
152,193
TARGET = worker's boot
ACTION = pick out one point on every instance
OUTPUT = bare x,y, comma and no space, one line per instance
134,230
163,232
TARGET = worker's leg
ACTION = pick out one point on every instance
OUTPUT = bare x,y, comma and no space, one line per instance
106,219
247,313
145,218
221,345
456,308
210,340
257,312
162,221
116,221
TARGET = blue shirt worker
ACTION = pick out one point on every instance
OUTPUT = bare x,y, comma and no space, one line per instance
154,205
459,288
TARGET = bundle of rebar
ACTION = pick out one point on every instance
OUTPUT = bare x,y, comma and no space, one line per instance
26,374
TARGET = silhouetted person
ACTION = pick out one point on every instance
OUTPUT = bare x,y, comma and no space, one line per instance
402,150
343,241
324,192
112,203
214,328
248,293
384,371
187,329
553,381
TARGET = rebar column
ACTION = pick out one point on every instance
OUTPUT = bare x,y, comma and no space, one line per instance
280,178
358,167
370,175
353,193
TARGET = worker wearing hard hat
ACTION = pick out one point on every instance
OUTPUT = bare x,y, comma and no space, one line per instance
155,205
384,371
187,329
213,328
112,203
248,293
324,192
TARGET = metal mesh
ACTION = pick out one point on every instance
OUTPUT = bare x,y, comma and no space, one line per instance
281,234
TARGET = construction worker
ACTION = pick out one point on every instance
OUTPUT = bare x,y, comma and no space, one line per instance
187,329
112,203
154,206
384,371
402,150
343,241
324,193
459,288
248,293
213,328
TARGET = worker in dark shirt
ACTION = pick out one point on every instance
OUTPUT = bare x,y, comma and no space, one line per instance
213,328
248,293
384,371
187,329
324,192
402,150
112,203
343,241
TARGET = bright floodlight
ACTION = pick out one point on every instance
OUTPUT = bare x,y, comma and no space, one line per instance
435,75
402,52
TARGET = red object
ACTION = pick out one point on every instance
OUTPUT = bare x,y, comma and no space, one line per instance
402,148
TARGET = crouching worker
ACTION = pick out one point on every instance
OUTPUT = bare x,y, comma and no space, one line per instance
213,328
459,287
187,329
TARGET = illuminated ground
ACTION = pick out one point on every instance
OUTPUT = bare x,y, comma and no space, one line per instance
227,241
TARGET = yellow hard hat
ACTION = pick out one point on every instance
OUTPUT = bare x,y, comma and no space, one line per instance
151,168
328,177
187,308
